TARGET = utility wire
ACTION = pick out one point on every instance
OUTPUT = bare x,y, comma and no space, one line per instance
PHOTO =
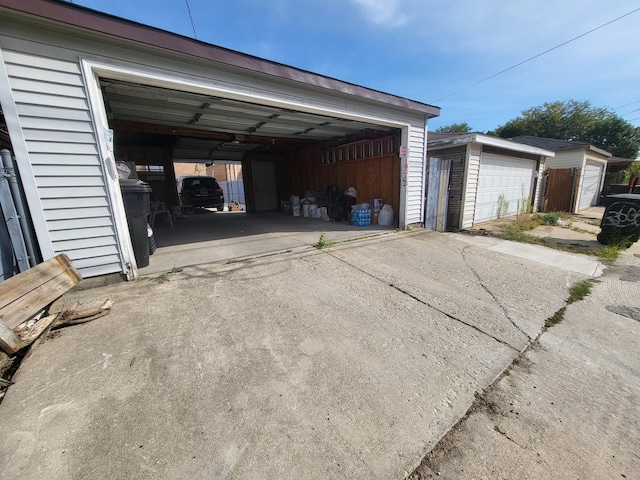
538,55
629,113
191,18
626,105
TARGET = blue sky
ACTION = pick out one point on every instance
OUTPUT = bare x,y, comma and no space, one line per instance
427,49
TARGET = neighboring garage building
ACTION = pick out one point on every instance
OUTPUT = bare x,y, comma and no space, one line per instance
80,89
475,178
575,175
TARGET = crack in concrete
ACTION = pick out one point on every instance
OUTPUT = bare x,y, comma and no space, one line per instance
481,400
504,434
452,317
419,300
497,302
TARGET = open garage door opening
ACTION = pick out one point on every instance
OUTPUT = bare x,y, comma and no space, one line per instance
260,156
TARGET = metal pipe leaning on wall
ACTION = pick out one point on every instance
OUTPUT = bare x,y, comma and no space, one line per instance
20,204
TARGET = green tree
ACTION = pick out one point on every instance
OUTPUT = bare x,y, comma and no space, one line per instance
577,121
463,127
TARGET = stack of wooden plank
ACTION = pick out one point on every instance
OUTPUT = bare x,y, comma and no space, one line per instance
28,294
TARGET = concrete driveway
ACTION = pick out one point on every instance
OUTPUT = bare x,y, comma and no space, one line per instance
570,405
209,237
347,362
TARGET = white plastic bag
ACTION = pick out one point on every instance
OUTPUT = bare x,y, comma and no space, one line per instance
123,170
385,217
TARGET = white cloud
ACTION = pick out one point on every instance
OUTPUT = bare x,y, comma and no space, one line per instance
385,13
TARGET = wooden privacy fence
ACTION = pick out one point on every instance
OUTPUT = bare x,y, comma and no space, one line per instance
560,189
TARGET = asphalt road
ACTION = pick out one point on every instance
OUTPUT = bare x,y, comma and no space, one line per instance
352,361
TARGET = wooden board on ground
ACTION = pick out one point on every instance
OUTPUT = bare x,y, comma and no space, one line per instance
23,296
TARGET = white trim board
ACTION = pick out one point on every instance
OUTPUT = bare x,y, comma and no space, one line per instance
100,123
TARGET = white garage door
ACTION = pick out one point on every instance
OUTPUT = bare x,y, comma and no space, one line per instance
590,186
503,182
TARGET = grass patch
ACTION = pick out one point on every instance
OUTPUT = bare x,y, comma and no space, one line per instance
609,253
516,231
551,218
578,292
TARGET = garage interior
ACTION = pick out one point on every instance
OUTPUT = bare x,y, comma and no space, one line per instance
282,152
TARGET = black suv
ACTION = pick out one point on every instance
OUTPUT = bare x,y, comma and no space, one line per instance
200,191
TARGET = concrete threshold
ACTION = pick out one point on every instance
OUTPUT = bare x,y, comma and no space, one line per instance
537,253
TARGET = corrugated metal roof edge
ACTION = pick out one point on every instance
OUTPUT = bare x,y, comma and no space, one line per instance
93,20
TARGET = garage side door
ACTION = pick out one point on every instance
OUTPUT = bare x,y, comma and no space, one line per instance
590,186
502,181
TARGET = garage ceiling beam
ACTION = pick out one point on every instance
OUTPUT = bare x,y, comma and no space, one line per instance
119,94
273,131
276,144
198,115
215,117
145,127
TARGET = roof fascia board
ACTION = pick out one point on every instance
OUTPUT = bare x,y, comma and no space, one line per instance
599,150
509,145
568,145
491,141
99,23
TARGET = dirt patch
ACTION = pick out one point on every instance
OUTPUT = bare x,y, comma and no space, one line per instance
490,403
631,274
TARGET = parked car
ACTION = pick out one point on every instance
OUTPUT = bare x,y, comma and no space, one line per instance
200,191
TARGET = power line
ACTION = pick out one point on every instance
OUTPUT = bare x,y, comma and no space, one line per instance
538,55
191,18
632,111
626,105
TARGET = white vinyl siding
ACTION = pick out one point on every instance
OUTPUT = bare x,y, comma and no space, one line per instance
570,159
415,175
56,124
473,166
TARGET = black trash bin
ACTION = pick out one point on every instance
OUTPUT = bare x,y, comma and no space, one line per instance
136,197
621,219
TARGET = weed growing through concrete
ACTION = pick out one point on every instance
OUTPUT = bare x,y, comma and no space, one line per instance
580,290
576,293
164,277
246,259
322,243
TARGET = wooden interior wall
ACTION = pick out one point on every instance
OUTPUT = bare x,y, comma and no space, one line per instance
374,177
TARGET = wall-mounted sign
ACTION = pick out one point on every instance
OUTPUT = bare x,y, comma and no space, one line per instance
403,151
